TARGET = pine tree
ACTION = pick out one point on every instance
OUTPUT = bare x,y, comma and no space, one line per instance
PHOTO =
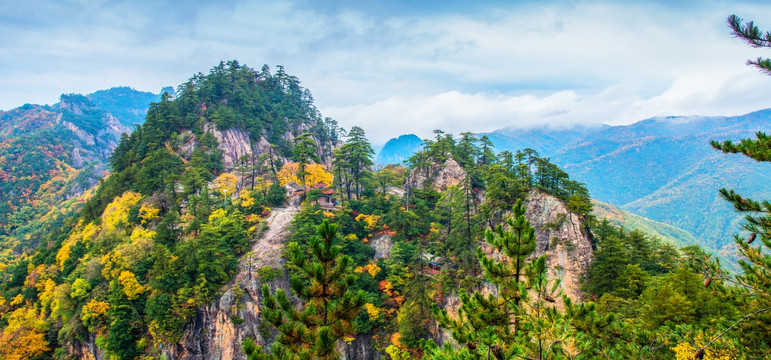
518,319
305,152
124,330
354,160
322,279
755,289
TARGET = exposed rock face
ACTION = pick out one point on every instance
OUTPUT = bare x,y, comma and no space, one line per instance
559,235
186,144
86,350
212,334
439,176
234,143
382,245
77,161
360,349
82,135
92,146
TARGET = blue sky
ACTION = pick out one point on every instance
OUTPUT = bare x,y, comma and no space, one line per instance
395,67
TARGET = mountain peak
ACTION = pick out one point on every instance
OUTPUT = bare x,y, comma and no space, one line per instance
399,149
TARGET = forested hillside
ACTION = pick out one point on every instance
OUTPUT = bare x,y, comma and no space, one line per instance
160,234
51,155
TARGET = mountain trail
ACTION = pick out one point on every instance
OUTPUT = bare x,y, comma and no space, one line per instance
267,250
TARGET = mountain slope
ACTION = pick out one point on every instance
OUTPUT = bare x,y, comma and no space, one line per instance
691,201
630,221
50,154
165,230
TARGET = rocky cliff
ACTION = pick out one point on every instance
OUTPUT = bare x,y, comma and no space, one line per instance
217,331
561,236
438,176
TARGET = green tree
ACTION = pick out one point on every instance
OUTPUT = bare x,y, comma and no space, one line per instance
305,152
125,325
322,278
520,320
754,291
353,161
276,194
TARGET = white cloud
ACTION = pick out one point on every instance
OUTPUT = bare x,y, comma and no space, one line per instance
456,112
478,69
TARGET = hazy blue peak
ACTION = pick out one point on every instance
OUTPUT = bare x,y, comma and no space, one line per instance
399,149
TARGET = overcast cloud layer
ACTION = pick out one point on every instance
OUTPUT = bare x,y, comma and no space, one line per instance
397,67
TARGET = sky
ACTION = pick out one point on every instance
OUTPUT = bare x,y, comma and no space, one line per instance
403,66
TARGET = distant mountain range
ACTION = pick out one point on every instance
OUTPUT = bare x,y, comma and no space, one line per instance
661,168
51,154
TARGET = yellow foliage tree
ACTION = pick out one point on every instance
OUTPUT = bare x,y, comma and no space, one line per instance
370,220
85,234
148,213
113,264
686,351
372,269
317,174
131,287
63,254
225,184
288,173
217,214
396,353
47,291
140,233
373,311
22,343
23,337
116,213
246,199
93,313
16,300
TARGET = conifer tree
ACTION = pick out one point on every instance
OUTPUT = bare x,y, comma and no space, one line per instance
124,330
305,152
354,160
322,279
755,289
518,320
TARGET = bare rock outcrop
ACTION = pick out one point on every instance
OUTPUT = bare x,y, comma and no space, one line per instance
87,139
86,350
438,176
233,142
560,235
77,160
382,245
